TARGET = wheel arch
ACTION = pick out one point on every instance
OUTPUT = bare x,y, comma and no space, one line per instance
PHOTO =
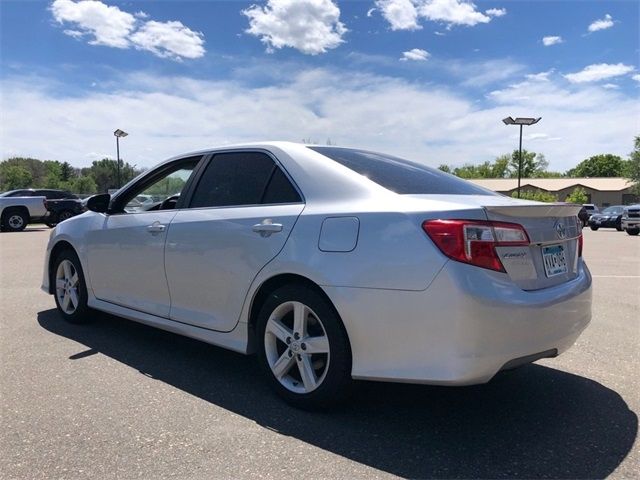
272,284
58,248
16,208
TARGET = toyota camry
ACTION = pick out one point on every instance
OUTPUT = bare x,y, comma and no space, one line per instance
331,264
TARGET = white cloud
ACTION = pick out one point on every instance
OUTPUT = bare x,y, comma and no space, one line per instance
636,77
452,12
370,12
401,14
169,39
552,40
310,26
496,12
601,24
406,14
540,77
435,124
109,26
611,86
416,54
599,71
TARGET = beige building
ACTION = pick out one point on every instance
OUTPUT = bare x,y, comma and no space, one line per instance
601,191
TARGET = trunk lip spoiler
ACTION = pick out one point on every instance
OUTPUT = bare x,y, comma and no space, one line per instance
535,211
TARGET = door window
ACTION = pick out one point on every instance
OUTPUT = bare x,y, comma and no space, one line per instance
161,192
243,178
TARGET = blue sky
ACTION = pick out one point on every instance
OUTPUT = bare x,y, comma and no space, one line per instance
427,79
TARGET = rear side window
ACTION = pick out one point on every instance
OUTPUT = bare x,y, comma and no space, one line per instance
400,176
280,190
242,178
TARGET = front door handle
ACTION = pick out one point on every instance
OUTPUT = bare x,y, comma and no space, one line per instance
156,227
267,227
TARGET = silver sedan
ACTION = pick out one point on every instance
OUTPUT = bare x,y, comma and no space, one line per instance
331,264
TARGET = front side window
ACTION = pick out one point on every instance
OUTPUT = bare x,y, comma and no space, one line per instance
243,178
162,192
400,176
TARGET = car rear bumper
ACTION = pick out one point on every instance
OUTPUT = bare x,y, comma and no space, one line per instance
468,325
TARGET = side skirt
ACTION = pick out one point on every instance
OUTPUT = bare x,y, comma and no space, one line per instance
235,340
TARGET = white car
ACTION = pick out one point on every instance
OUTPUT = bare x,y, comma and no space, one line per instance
332,264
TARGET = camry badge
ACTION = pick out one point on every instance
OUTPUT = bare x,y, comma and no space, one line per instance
560,230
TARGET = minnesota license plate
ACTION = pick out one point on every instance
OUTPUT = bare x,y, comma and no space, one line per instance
555,262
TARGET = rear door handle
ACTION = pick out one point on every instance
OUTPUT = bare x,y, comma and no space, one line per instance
156,227
267,227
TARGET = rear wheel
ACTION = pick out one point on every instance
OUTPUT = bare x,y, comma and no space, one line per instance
14,220
64,215
70,290
303,348
594,228
633,231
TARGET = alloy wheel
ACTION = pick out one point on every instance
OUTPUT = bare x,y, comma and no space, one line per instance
67,291
297,347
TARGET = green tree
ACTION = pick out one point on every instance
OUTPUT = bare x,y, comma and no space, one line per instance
82,185
578,195
105,173
444,168
15,176
537,195
606,165
632,171
533,164
36,168
66,172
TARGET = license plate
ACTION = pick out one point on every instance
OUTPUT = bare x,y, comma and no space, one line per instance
555,262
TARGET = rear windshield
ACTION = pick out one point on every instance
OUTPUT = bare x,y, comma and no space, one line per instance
400,176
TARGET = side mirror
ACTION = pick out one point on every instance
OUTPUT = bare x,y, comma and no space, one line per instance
99,203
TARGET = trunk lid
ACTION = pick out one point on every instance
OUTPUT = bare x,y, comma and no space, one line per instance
550,259
552,256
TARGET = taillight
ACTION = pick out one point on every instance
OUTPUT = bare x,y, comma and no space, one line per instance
580,243
475,241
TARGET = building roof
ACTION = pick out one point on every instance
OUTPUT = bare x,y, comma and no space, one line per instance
611,184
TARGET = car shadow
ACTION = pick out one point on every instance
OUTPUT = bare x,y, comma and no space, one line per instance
529,423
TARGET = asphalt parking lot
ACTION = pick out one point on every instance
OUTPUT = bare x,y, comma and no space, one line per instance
115,399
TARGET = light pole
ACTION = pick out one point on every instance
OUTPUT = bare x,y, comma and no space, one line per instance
119,134
522,121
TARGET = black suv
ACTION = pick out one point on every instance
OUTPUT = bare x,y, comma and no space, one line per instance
610,217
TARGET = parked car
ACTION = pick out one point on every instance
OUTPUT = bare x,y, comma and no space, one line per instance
610,217
63,209
331,264
59,205
591,208
630,220
16,211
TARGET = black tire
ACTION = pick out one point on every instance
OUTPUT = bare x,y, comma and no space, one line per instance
82,313
594,228
619,225
64,215
633,231
337,384
14,220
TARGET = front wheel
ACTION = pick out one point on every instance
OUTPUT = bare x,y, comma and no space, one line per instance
633,231
594,228
303,348
70,288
